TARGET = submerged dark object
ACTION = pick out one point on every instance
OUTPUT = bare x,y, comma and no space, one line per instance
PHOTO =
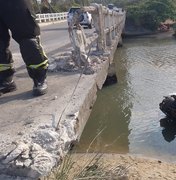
110,80
168,106
169,128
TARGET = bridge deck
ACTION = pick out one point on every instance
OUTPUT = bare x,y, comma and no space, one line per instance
37,132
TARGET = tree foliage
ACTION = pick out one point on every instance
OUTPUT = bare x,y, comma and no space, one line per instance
57,5
150,13
146,13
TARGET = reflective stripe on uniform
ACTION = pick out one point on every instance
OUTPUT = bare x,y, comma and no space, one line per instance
43,64
4,67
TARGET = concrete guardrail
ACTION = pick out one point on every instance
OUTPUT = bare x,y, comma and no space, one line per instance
108,29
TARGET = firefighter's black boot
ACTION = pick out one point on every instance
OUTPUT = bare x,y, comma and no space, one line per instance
6,81
39,78
7,86
40,88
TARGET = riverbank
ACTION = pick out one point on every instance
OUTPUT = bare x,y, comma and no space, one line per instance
116,166
145,33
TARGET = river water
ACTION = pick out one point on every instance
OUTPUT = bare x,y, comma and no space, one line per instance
126,116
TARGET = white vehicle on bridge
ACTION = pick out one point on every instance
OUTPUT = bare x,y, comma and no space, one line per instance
114,8
85,17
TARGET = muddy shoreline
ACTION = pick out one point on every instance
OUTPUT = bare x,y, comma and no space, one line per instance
127,167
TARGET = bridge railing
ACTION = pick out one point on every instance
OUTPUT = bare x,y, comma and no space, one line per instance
51,17
108,29
108,24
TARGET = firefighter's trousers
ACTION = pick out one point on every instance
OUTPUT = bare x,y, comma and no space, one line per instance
18,17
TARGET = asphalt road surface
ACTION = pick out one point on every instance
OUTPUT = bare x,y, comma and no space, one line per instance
53,37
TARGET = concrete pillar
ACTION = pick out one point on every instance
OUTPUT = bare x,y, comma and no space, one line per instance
109,35
99,26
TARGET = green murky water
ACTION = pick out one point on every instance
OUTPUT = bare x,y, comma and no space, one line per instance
126,116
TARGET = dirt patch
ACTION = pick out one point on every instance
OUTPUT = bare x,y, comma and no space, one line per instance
114,166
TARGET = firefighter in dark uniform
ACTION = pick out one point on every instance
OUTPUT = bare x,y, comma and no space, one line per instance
18,17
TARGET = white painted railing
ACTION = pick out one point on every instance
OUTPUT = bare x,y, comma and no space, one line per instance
51,17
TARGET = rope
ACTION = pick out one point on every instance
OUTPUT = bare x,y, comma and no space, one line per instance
75,19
